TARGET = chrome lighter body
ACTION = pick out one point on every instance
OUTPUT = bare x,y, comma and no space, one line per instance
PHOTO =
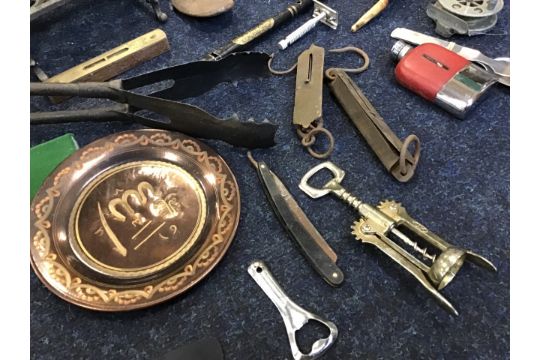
442,76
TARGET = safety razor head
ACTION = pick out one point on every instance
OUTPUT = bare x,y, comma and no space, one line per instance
331,15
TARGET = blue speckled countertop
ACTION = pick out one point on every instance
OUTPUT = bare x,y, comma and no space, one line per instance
460,191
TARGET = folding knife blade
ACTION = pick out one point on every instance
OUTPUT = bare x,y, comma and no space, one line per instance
417,38
294,220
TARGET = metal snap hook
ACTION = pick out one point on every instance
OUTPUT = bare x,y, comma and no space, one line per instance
280,72
361,53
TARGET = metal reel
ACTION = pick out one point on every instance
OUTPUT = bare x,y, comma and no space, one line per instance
465,17
472,8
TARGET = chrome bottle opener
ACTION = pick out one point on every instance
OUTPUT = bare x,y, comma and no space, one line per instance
293,315
388,225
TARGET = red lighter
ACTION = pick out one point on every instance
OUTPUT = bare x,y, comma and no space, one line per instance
441,76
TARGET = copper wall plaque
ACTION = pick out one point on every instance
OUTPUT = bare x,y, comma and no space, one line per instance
132,220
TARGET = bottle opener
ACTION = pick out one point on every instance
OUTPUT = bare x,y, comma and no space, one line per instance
388,226
294,220
293,315
390,150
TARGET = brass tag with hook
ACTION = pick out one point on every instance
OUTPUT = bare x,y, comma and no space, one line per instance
390,150
309,87
307,114
308,119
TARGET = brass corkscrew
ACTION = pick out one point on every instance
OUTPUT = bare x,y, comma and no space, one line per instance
388,225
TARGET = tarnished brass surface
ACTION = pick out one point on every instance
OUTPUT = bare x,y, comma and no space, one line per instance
202,8
309,87
116,61
252,34
308,98
133,219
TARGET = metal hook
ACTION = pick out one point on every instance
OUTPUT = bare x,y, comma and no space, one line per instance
361,53
280,72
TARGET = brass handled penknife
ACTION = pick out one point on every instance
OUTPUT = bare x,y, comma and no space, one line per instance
294,220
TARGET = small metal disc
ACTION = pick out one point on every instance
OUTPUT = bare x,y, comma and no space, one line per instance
132,220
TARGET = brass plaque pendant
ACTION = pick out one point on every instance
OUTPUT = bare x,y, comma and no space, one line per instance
133,219
308,99
309,87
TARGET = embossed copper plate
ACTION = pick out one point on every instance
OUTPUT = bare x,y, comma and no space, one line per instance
132,220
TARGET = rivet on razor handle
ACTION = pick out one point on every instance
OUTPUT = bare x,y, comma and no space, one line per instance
388,225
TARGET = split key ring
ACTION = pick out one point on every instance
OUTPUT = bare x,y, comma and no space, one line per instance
309,138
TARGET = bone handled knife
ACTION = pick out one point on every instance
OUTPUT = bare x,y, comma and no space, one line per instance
501,68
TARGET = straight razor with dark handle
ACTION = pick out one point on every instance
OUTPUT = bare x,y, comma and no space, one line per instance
294,220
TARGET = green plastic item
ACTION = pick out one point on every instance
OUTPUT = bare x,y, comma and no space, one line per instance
45,157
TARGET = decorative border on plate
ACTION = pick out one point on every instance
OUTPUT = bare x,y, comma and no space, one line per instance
93,295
